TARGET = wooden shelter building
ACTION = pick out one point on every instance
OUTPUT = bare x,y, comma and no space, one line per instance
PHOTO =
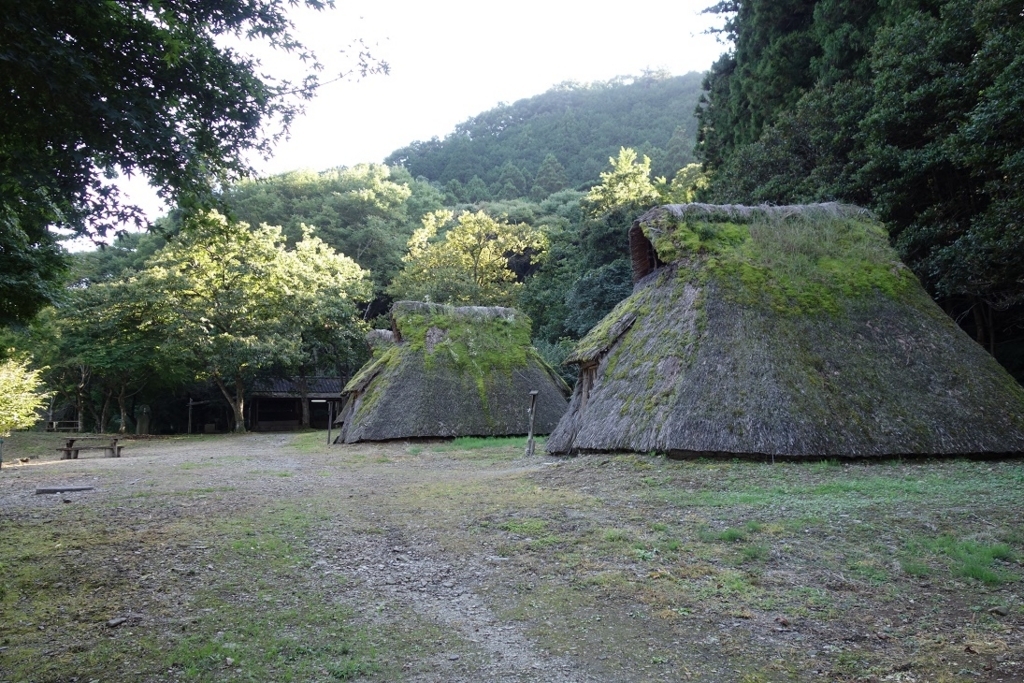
276,404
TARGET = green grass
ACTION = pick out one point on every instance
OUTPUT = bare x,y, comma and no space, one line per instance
281,644
732,535
915,567
974,560
754,553
810,487
312,440
252,609
616,536
30,444
475,443
526,527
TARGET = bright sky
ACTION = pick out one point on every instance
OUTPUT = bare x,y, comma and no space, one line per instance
453,59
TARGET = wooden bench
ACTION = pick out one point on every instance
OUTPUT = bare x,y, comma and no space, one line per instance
62,426
92,443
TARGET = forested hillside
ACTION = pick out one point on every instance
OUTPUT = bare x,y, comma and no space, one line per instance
561,139
914,108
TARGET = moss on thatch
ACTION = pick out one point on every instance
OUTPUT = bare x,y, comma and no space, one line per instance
782,331
793,259
452,372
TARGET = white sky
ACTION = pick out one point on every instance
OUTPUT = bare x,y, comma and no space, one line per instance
453,59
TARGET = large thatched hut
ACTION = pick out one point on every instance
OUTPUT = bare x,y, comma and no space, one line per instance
788,331
446,371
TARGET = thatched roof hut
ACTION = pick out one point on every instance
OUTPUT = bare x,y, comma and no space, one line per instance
789,331
452,372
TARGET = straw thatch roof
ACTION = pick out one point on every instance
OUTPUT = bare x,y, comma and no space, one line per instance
452,372
789,331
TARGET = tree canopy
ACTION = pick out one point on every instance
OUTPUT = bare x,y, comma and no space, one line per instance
469,263
628,183
367,212
236,301
92,90
112,333
21,395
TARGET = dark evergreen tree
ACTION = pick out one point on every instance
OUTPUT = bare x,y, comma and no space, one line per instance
767,71
550,178
476,190
511,183
454,192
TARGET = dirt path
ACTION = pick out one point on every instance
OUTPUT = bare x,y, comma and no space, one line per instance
384,575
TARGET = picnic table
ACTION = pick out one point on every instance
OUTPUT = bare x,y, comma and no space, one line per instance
89,443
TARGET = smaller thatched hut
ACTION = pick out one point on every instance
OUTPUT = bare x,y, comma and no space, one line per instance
446,371
787,331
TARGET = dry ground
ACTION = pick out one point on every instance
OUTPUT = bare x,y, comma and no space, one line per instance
275,557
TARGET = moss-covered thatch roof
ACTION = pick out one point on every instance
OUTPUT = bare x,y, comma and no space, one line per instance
452,372
782,331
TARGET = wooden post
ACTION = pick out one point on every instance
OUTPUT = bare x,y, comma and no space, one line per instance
330,419
190,404
533,413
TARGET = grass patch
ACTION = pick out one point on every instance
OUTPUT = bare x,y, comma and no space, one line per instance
671,545
974,560
915,567
731,535
754,553
616,536
526,527
870,570
311,441
475,443
272,644
254,620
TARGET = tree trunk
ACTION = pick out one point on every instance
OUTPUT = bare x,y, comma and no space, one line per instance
990,319
984,322
80,398
240,409
979,322
105,411
237,402
303,394
122,403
